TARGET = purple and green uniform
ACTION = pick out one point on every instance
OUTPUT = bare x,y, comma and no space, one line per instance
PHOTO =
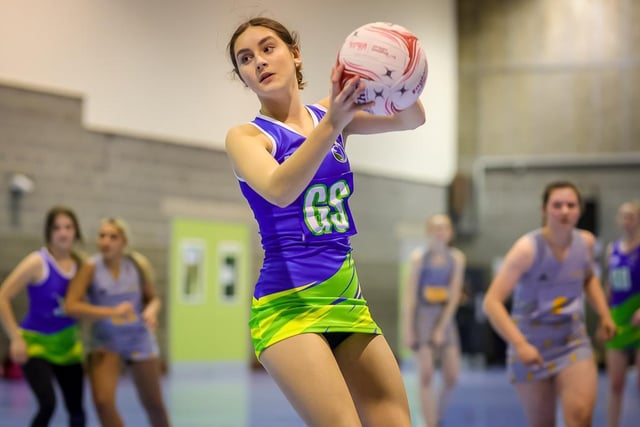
624,281
48,333
548,308
308,282
130,338
433,293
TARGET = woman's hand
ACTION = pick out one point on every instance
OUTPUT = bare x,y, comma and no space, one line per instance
18,350
410,340
635,319
343,103
437,336
528,354
150,317
607,329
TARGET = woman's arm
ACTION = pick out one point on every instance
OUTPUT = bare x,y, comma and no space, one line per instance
517,261
366,124
282,183
455,291
152,301
75,304
595,294
27,271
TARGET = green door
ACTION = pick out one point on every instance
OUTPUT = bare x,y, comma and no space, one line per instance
209,291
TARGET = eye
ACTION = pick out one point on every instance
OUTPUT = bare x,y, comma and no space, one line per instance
244,58
268,48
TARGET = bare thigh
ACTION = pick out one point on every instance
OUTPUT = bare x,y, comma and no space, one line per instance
638,368
306,371
538,399
450,360
617,364
373,376
104,371
577,386
146,375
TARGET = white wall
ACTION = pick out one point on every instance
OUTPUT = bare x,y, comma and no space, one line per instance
159,68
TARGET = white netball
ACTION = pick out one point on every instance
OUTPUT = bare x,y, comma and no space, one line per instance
391,60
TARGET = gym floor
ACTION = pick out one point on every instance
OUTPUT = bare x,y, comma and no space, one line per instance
232,396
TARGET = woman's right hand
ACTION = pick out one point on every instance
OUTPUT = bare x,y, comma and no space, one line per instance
528,354
18,350
343,100
124,310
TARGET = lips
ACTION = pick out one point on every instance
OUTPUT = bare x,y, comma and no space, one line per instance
265,76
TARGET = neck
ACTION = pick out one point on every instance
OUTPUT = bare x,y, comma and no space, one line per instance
58,253
436,246
557,238
113,261
631,238
285,110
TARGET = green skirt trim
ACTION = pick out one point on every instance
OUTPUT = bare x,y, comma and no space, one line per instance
62,348
627,335
334,305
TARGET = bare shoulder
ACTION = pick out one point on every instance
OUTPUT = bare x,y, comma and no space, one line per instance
458,255
588,238
246,135
522,253
417,254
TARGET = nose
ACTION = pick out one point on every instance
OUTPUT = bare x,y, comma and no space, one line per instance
260,63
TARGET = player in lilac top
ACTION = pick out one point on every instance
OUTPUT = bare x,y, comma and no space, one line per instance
623,286
310,324
549,270
116,290
46,343
431,300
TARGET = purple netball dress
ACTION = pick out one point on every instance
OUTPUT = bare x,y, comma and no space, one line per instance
548,308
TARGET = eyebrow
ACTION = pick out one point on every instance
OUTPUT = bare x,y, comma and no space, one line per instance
260,43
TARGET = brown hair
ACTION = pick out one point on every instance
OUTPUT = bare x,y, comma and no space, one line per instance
556,185
50,221
290,38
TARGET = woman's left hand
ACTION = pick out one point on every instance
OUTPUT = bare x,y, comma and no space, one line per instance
607,328
635,319
150,317
437,337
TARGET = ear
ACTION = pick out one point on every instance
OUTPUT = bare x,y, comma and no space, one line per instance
297,57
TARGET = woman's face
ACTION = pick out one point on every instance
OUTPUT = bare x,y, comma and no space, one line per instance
629,218
63,233
562,208
265,62
440,230
111,241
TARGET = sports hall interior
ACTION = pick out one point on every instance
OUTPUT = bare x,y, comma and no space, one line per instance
120,109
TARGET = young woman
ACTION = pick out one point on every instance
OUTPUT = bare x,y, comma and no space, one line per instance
431,299
118,285
623,286
46,343
549,353
310,324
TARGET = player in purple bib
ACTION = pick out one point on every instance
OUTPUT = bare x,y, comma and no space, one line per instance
310,323
115,289
46,343
549,271
623,286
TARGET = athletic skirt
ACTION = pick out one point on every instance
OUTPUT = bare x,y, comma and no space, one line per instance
333,305
627,336
427,316
561,344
